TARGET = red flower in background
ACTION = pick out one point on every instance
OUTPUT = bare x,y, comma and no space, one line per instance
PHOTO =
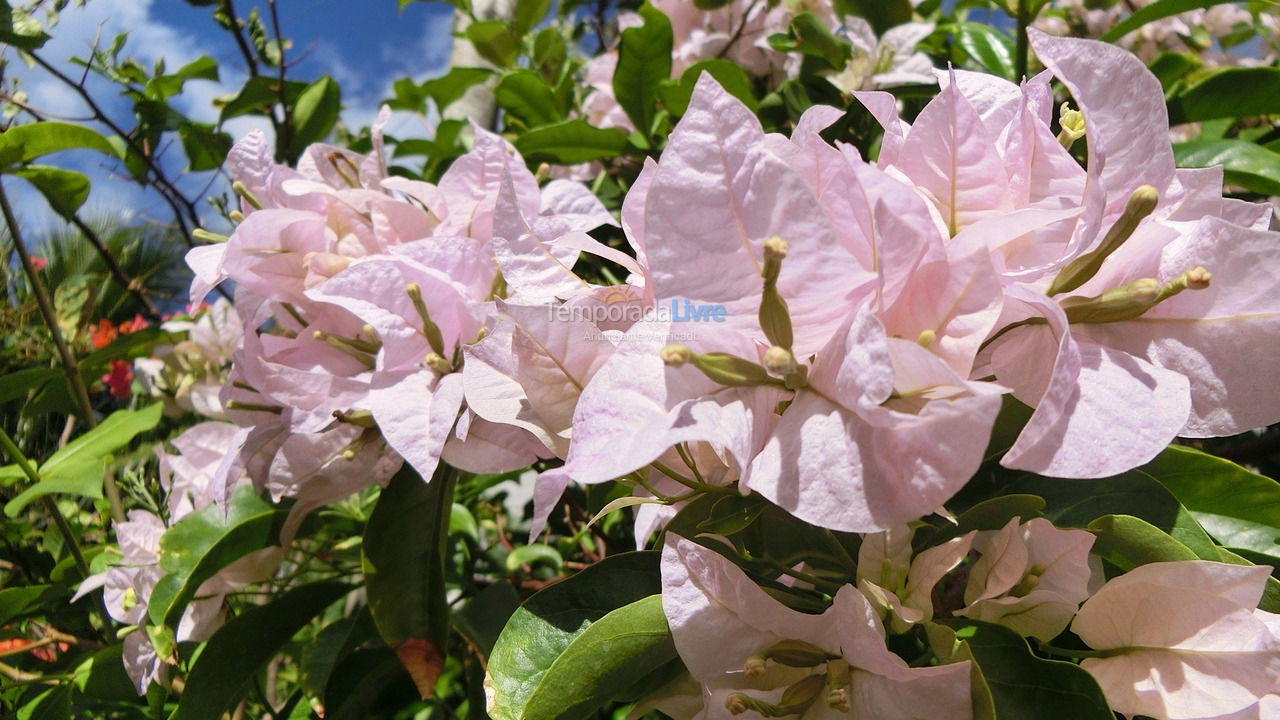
102,334
132,326
120,380
39,263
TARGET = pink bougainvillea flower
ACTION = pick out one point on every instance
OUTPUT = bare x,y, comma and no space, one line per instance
1183,640
1031,577
901,587
725,627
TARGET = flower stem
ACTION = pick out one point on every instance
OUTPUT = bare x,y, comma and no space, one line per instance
68,359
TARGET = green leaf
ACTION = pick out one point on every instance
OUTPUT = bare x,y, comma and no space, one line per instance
52,704
206,148
1228,93
19,29
812,37
239,649
732,514
24,143
1024,686
18,601
644,62
316,111
987,46
675,94
571,142
19,383
1127,542
77,468
599,664
1079,502
1243,163
494,41
1170,67
448,88
484,615
994,514
522,668
256,97
528,14
533,554
102,676
65,190
951,649
524,95
1238,508
322,656
404,556
1155,11
205,542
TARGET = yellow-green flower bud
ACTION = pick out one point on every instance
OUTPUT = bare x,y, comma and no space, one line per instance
1072,122
927,338
437,364
430,330
1079,271
675,355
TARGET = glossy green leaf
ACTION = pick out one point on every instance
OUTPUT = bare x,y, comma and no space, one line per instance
951,649
1076,503
494,41
316,111
1228,93
732,514
644,62
675,94
451,86
599,664
77,468
239,649
532,555
522,668
1128,542
205,147
1157,10
524,95
404,555
1024,686
204,542
571,142
65,190
1243,163
987,46
1238,508
23,143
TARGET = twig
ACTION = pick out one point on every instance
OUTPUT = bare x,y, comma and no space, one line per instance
1020,49
286,125
132,285
164,185
50,316
245,50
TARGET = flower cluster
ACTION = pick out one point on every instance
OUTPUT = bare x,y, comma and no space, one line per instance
835,334
187,477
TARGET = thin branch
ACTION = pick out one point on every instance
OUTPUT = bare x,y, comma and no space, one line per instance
286,125
164,185
68,359
130,284
241,43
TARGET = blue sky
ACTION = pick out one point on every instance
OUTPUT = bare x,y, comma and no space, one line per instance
363,44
